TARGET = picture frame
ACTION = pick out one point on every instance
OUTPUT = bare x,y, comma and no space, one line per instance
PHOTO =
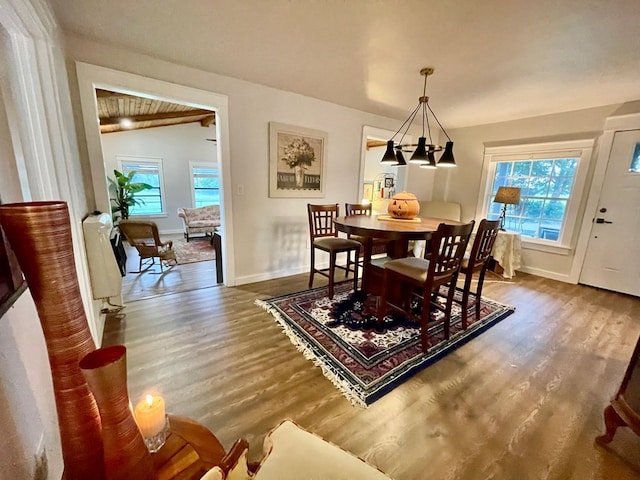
297,161
388,182
367,191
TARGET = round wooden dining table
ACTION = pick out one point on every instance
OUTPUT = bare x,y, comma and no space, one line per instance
397,231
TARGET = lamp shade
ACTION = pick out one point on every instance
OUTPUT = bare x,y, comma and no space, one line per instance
400,158
431,162
447,160
508,195
389,156
420,155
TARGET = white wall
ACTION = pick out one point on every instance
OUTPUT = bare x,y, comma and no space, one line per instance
28,419
176,145
24,369
271,234
40,148
462,184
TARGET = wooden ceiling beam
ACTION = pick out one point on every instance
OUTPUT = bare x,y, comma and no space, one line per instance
207,121
375,143
156,116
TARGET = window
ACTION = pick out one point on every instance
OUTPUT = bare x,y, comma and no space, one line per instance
146,171
635,160
551,178
205,184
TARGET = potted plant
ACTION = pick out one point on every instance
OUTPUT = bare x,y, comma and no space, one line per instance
299,156
122,191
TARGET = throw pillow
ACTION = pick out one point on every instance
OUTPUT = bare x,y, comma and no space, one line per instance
215,473
240,470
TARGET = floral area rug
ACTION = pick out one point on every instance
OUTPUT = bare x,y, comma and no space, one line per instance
196,250
363,359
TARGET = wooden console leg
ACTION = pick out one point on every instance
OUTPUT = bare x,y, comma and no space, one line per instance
611,421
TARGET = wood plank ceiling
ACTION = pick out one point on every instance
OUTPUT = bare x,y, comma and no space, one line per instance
114,107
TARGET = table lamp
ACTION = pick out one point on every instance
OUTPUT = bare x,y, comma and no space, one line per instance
506,196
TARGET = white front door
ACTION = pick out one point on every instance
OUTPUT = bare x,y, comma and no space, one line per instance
612,260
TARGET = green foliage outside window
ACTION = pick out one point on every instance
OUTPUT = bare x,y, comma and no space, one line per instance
546,187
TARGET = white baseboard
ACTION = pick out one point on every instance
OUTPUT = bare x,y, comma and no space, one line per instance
547,274
171,231
260,277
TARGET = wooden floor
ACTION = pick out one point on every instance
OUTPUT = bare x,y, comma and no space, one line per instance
151,282
524,400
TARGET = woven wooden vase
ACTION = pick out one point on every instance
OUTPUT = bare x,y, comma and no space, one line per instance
40,236
125,454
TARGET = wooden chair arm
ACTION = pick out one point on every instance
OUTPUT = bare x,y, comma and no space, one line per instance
233,455
205,443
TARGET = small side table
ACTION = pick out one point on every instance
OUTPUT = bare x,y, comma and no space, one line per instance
507,252
216,241
189,452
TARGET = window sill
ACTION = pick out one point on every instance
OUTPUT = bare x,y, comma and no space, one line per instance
532,244
154,215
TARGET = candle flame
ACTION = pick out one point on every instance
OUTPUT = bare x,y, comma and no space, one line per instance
149,400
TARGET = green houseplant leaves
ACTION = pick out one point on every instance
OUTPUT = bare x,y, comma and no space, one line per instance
122,193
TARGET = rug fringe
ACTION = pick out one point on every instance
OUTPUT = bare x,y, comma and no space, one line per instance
303,347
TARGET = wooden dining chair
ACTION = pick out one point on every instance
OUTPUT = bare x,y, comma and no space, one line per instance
411,278
477,261
379,245
324,236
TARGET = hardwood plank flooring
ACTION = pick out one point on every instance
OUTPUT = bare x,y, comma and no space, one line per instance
151,282
524,400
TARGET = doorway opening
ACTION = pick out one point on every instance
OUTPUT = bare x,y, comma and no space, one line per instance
179,135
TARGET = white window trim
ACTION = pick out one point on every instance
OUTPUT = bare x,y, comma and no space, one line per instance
149,161
193,165
584,148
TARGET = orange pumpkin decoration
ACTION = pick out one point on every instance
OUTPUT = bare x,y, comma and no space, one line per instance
404,205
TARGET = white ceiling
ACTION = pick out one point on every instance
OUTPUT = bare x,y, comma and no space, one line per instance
494,60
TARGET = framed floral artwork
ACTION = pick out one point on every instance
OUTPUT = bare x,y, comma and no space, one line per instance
297,159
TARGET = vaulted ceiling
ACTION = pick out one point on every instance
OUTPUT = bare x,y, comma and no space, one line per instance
494,60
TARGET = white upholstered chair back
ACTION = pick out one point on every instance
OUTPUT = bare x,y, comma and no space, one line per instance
435,209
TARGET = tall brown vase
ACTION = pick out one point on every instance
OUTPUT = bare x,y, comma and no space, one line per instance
40,235
125,454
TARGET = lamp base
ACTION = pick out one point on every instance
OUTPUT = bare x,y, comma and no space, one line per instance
503,214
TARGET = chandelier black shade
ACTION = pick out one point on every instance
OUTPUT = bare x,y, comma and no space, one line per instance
423,152
420,155
392,156
389,156
447,160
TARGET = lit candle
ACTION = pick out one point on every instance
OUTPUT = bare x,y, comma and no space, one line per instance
150,416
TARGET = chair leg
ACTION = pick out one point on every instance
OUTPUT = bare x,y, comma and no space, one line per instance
346,272
425,316
313,266
355,271
447,311
332,273
468,277
479,290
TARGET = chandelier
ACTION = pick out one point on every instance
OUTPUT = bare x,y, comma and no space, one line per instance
423,152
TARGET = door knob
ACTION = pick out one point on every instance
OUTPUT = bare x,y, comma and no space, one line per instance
602,220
